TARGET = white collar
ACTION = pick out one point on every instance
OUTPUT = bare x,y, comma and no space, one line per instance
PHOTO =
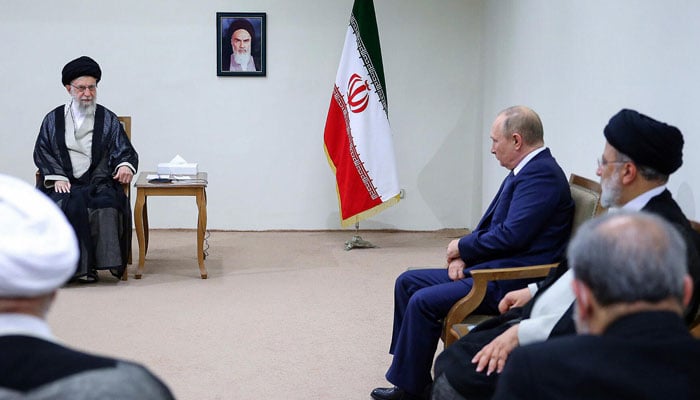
76,115
67,107
637,203
25,325
527,159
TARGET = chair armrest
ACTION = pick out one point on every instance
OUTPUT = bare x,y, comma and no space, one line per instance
695,331
39,182
500,274
694,327
481,277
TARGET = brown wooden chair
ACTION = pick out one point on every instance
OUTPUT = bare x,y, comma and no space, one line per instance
695,325
586,195
126,123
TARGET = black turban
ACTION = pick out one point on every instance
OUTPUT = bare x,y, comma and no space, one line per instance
646,141
241,23
81,66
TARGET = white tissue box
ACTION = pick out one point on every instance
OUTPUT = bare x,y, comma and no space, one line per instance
177,169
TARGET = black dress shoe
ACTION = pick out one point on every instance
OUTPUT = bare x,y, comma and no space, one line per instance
394,393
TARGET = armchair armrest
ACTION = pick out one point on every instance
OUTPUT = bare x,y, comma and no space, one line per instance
695,329
453,328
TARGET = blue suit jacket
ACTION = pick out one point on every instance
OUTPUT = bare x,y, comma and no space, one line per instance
528,222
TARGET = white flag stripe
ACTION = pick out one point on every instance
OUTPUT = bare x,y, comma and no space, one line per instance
370,129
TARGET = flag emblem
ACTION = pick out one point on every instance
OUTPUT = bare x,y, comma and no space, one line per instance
358,96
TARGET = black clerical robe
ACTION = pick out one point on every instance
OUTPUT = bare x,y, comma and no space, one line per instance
96,206
34,368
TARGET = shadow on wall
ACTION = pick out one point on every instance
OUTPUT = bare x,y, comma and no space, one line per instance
367,224
452,197
685,198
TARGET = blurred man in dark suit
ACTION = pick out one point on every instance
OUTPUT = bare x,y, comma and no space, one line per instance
631,284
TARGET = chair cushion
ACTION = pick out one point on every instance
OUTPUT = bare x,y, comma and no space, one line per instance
586,201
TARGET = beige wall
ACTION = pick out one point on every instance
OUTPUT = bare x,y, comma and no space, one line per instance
260,139
450,66
579,62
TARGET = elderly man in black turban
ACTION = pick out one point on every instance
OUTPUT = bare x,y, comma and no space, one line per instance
242,35
640,153
84,156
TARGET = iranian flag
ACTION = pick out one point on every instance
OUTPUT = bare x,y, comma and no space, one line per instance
357,137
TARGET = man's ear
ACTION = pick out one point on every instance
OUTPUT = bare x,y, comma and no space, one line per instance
583,298
517,140
68,88
687,290
629,173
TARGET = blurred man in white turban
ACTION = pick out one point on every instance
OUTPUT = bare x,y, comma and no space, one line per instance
38,254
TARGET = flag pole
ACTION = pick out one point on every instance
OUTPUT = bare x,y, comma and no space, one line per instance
357,242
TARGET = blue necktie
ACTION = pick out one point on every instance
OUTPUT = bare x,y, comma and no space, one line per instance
505,187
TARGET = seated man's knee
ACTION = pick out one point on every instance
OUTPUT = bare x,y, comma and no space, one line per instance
405,281
420,300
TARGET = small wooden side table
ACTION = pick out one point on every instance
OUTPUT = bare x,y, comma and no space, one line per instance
190,187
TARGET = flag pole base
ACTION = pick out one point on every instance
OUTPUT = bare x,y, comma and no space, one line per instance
358,243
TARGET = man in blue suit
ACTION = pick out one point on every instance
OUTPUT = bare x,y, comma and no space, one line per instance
527,223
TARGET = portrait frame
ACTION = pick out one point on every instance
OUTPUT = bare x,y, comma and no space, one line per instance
225,29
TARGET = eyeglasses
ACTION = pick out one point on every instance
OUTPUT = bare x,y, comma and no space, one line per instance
603,162
83,88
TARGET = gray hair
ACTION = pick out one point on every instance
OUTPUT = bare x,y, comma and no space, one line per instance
646,172
625,257
525,121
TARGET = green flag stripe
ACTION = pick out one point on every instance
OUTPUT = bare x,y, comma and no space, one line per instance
364,24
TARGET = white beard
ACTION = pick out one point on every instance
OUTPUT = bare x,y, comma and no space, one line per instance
612,190
242,59
85,108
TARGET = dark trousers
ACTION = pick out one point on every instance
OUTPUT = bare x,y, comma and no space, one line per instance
101,218
443,390
422,298
454,365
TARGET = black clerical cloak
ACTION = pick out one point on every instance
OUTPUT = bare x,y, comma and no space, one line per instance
96,200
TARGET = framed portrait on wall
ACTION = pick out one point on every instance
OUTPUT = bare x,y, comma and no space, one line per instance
240,44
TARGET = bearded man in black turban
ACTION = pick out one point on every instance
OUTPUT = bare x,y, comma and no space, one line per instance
84,156
242,36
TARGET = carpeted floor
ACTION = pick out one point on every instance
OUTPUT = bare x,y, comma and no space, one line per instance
283,315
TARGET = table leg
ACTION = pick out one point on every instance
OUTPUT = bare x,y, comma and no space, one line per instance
139,219
145,224
125,274
201,230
